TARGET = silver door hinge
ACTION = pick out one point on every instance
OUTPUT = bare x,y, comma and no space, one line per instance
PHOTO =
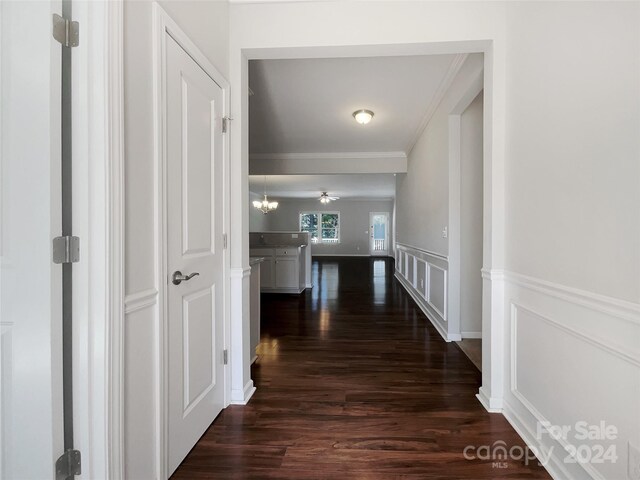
66,31
225,357
68,465
225,124
66,249
224,241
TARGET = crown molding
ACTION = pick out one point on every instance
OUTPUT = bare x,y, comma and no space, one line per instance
443,88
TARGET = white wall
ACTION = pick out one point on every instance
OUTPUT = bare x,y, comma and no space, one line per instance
562,112
573,145
471,219
354,222
422,193
206,23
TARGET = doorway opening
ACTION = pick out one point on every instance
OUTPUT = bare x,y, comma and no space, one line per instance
408,265
379,234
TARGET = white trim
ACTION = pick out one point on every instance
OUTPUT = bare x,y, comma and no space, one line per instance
326,156
164,25
115,337
247,392
443,88
406,247
622,309
98,304
471,335
425,309
492,405
615,350
140,300
455,196
493,274
239,272
555,468
445,293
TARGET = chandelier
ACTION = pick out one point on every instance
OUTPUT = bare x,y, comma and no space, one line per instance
265,206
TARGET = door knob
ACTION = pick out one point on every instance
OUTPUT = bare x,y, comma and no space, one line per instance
177,278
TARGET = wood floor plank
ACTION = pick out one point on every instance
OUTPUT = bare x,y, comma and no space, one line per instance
353,382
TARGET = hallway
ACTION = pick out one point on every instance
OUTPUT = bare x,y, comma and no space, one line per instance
353,382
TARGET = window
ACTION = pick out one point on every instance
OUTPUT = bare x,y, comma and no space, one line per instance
324,227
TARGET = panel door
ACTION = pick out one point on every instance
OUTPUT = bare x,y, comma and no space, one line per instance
31,403
195,246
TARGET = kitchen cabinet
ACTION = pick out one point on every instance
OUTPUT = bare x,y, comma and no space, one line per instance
282,270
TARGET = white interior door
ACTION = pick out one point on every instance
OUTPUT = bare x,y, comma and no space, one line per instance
31,414
195,247
379,233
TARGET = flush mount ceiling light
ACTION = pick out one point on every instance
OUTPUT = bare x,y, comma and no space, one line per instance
265,206
325,198
363,116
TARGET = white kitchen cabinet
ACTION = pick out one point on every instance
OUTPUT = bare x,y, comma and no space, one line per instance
287,272
282,270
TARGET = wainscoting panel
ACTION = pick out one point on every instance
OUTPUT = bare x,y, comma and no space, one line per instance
437,293
573,357
421,278
424,275
140,382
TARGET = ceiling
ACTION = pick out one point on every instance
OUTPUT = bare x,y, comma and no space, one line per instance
310,186
306,105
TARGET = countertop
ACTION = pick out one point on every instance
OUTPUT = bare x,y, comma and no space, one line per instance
255,260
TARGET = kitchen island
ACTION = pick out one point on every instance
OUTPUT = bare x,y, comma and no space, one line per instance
286,265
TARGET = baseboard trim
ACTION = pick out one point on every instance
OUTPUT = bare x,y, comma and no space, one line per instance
554,467
491,405
470,335
445,336
249,390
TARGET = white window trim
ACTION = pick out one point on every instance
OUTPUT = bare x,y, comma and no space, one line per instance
319,213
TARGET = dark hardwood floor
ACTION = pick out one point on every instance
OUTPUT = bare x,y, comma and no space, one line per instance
354,383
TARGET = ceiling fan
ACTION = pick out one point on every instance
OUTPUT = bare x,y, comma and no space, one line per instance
325,198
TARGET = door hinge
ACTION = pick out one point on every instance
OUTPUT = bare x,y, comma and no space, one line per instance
66,249
224,241
68,465
225,124
225,356
65,31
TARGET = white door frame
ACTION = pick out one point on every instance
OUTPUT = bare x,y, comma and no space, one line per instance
98,216
386,234
455,178
493,363
164,25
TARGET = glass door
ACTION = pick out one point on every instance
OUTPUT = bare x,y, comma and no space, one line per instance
379,233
